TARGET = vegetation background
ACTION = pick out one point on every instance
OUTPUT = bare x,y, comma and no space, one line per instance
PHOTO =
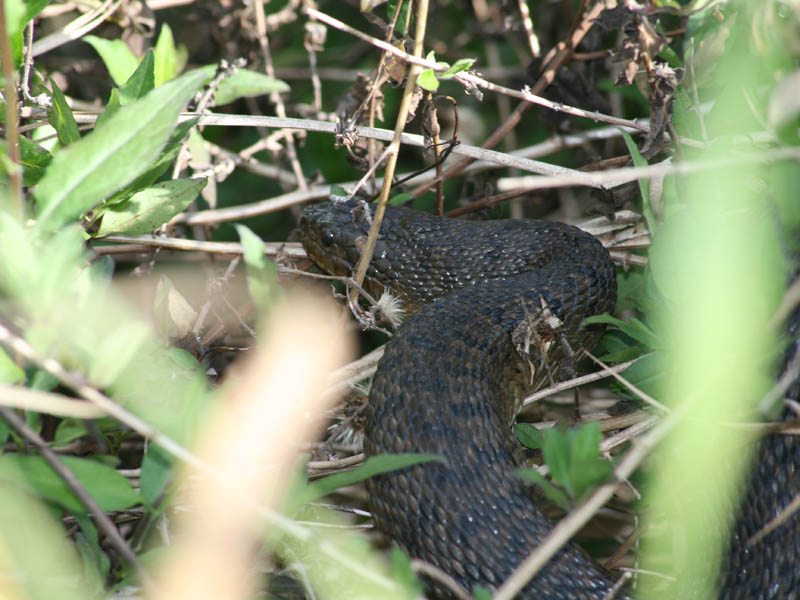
154,161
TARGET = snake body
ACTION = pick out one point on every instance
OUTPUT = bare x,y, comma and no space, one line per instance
450,380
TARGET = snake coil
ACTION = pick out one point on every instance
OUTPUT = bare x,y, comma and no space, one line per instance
451,378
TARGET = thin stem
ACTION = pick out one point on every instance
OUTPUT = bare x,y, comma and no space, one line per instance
101,519
394,146
12,125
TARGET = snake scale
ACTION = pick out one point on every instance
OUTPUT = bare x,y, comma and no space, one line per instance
451,378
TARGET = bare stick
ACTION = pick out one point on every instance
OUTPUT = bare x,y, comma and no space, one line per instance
104,524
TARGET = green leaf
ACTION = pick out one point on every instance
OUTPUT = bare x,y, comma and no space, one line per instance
587,474
427,80
19,13
33,8
90,170
575,464
551,491
88,543
34,159
586,442
118,58
556,453
5,431
402,17
60,117
644,182
10,372
585,467
43,563
529,435
374,465
42,380
246,84
338,192
166,65
140,82
403,573
15,16
462,64
481,593
108,488
112,106
399,199
156,473
622,354
147,210
261,272
632,327
69,429
168,154
115,351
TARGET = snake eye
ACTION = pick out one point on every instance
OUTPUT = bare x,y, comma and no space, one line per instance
327,238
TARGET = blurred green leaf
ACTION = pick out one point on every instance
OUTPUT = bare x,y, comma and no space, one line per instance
156,473
10,372
261,272
112,106
168,59
32,8
88,543
427,80
34,159
5,431
644,182
115,351
69,429
551,491
557,454
110,490
59,115
15,16
147,210
481,593
87,172
44,564
18,14
118,58
403,572
573,458
246,84
338,192
529,435
399,199
168,154
462,64
632,327
374,465
402,17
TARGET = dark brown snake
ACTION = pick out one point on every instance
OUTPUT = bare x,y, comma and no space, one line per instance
450,380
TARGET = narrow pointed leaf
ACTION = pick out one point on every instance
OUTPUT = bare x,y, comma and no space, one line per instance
245,83
166,55
374,465
118,58
60,117
90,170
149,209
141,82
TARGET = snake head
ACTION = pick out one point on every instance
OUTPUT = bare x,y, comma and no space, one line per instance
333,234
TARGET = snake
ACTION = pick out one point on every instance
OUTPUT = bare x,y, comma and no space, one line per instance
496,310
